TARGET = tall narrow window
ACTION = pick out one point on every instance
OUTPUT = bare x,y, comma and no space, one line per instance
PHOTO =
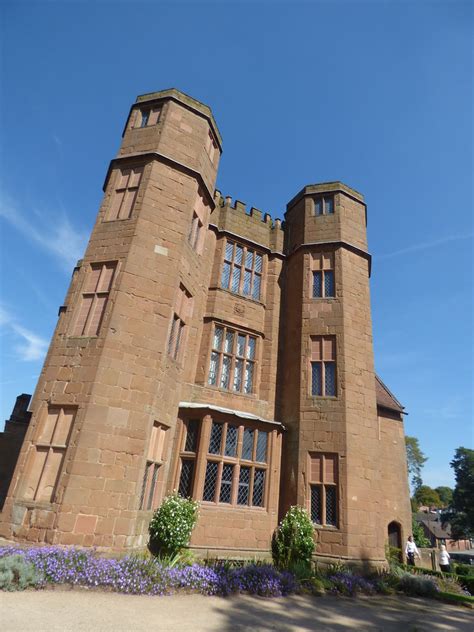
47,455
242,270
236,466
324,205
181,316
150,496
195,231
323,484
94,298
232,360
189,449
211,147
323,366
125,194
323,276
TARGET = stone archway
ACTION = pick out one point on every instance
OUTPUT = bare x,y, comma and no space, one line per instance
395,536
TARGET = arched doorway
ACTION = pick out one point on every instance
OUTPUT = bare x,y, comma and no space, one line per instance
395,537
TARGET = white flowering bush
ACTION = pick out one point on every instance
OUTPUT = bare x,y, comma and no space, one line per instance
293,542
172,524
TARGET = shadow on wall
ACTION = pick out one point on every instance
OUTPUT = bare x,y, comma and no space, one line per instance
329,613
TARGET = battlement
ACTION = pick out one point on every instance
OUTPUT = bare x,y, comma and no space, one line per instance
251,224
241,207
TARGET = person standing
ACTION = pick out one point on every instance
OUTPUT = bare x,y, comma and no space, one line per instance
444,558
411,550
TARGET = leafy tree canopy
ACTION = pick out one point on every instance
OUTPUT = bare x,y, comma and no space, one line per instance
426,495
415,461
460,514
419,534
445,494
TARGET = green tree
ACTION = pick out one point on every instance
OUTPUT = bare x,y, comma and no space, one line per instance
426,495
460,514
415,461
419,534
445,494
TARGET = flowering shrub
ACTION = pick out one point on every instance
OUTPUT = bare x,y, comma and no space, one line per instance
293,540
172,523
148,576
345,583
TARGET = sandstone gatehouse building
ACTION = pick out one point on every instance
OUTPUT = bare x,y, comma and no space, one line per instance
207,348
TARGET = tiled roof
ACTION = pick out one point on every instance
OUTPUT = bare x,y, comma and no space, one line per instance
385,398
437,529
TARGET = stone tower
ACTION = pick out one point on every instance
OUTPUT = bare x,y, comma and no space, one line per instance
109,371
331,458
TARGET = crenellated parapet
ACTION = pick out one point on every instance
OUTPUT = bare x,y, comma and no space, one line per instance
256,226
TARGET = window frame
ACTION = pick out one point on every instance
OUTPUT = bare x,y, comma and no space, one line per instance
323,363
243,269
323,199
50,447
150,491
180,319
323,485
121,173
232,355
238,462
147,112
85,293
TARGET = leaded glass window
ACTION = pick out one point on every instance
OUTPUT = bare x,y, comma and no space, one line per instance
210,482
232,360
330,378
262,440
316,382
227,479
186,478
247,447
225,495
242,270
329,290
244,486
316,505
331,506
258,488
323,484
323,366
231,441
192,430
216,439
323,275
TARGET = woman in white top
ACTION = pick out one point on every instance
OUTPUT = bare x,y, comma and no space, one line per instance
410,551
444,558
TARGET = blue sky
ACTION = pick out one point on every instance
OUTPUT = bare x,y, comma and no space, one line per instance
376,94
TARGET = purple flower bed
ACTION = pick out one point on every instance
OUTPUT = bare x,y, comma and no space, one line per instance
137,576
350,585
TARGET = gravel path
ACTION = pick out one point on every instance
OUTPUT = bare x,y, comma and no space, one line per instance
94,611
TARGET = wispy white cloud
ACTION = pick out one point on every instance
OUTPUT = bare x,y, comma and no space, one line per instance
58,236
28,345
423,246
